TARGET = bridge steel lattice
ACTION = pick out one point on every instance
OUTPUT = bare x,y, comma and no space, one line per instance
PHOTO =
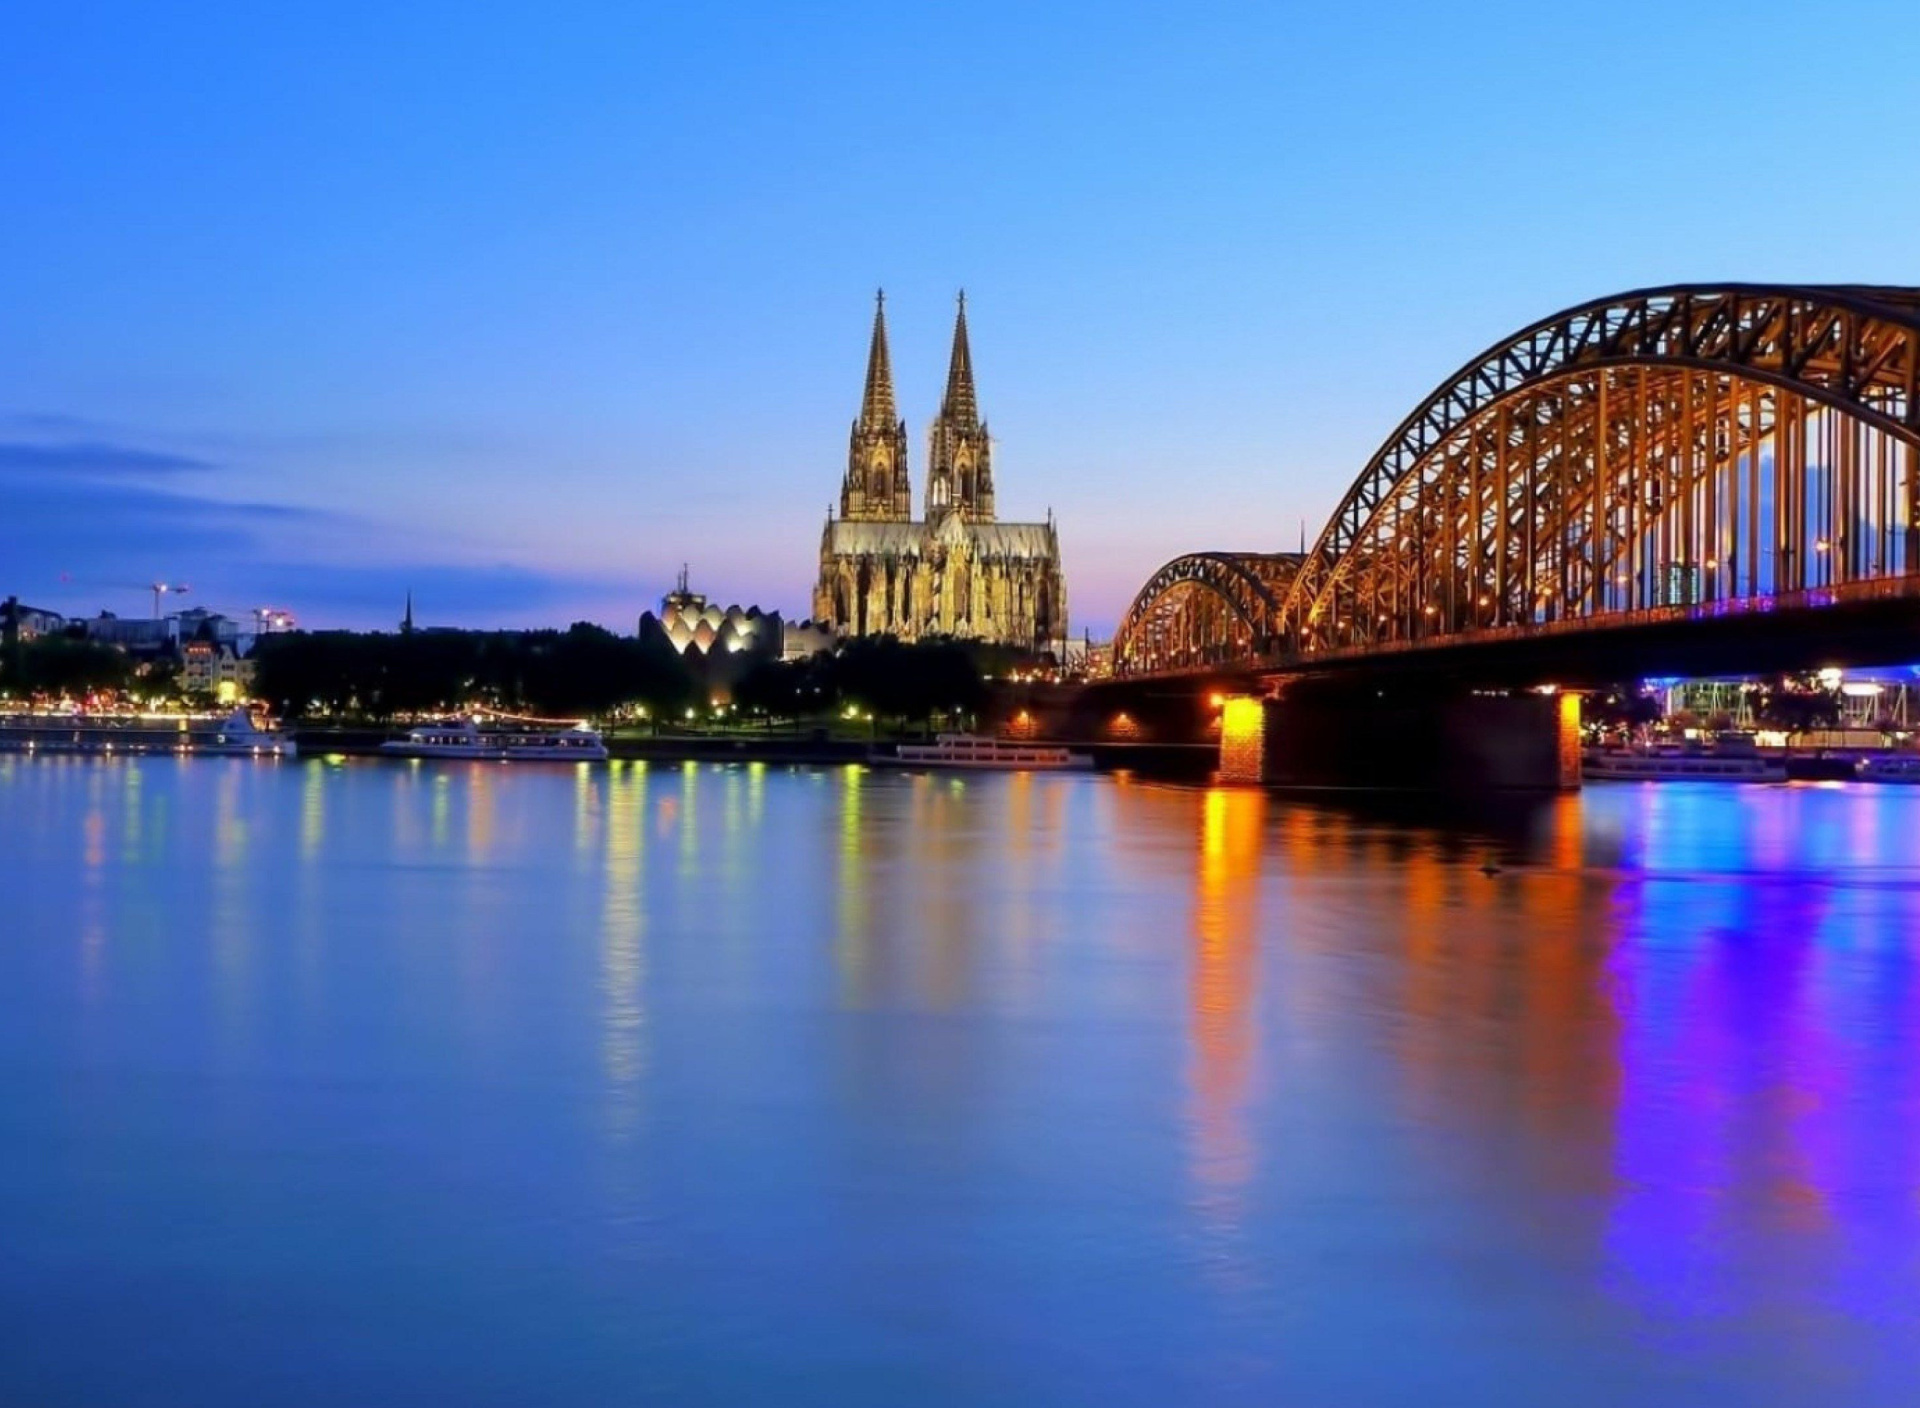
1206,608
1675,452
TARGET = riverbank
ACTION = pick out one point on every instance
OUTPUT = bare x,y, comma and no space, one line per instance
1169,760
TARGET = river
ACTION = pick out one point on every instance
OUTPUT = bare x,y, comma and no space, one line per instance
361,1082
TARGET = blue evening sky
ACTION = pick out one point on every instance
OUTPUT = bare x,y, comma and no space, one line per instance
522,306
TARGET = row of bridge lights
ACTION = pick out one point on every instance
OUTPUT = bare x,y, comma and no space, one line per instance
1821,545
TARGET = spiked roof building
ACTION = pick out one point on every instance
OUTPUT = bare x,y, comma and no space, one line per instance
877,488
959,571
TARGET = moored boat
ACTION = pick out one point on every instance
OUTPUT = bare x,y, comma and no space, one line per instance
235,736
465,739
960,750
1890,767
238,736
1679,765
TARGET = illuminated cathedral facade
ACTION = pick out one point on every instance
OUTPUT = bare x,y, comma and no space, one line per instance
959,571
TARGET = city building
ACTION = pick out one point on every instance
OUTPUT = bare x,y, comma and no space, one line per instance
802,640
153,635
959,571
21,622
138,635
690,621
215,667
719,644
198,621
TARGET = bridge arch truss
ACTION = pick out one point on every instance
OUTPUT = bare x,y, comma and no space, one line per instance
1674,450
1204,608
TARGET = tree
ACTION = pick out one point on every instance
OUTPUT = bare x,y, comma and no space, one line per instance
584,670
1623,708
63,665
1799,704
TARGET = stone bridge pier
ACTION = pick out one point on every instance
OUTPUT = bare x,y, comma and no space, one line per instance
1371,739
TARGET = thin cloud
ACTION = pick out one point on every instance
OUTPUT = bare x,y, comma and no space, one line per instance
97,459
466,593
61,530
80,546
58,423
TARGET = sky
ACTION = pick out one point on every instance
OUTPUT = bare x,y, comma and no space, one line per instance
518,308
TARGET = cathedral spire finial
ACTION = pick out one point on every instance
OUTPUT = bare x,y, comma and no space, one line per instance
876,405
962,403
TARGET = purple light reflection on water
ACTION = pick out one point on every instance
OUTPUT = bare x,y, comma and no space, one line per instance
354,1082
1764,956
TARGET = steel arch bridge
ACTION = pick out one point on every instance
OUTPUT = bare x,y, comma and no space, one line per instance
1669,454
1206,608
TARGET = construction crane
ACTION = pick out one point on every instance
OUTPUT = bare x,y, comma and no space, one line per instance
160,589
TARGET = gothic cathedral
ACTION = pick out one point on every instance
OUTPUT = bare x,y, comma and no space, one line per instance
958,572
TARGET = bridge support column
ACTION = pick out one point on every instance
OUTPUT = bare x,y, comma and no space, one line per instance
1371,740
1243,739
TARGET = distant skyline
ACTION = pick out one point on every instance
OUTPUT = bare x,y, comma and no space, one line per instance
519,312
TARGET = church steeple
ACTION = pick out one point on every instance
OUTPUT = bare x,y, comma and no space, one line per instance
961,405
959,452
876,406
877,488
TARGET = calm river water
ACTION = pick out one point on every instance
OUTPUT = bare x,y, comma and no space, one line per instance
368,1083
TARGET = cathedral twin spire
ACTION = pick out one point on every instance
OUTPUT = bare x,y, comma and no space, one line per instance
876,407
959,452
959,475
876,488
960,403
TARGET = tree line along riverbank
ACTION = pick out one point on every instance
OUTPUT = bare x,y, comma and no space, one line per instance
870,688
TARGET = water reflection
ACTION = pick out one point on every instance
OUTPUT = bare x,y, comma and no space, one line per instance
231,924
478,781
1592,1096
1767,1130
1222,992
313,813
623,943
852,939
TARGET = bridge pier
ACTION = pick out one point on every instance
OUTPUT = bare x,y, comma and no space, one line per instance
1243,738
1377,741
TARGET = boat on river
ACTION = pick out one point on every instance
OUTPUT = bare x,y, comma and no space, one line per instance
234,736
961,750
465,739
1889,767
1724,762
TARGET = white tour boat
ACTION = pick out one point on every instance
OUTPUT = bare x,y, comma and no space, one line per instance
1679,765
239,737
467,739
1890,767
135,735
960,750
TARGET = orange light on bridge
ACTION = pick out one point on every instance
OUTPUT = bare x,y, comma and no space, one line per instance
1243,739
1216,700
